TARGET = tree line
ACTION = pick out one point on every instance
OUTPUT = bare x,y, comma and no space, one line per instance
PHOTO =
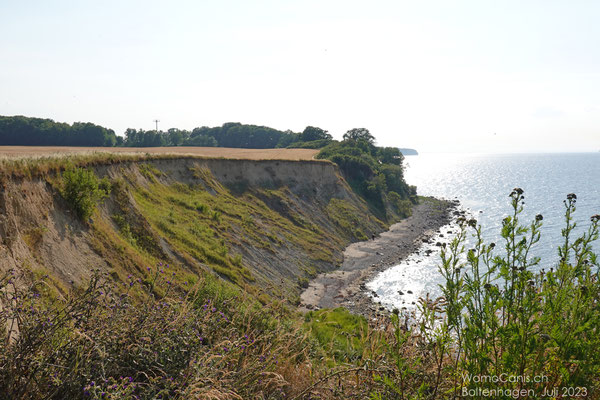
26,131
231,134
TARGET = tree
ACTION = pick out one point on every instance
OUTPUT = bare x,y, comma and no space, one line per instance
201,141
359,134
390,155
132,137
177,137
311,133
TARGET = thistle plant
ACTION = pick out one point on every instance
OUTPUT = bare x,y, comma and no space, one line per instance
509,318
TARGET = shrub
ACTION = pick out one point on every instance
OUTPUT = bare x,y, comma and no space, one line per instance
402,206
83,190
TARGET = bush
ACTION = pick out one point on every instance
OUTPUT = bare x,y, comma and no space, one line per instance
402,206
83,190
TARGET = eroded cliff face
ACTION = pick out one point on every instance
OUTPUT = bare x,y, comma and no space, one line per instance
265,224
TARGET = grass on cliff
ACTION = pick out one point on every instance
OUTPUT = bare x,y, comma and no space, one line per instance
208,223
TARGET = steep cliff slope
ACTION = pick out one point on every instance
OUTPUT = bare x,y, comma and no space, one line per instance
265,225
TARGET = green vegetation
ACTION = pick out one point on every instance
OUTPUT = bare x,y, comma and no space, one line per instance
24,131
209,224
311,138
313,144
347,217
375,173
342,334
83,190
231,134
101,342
507,318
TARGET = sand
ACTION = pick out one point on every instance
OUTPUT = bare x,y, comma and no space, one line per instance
345,287
235,153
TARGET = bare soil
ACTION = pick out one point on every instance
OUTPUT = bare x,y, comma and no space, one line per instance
225,152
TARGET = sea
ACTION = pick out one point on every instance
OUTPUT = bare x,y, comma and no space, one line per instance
482,183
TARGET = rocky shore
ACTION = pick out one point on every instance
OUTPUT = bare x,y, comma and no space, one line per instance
345,287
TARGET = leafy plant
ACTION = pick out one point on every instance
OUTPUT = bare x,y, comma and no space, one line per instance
82,189
508,317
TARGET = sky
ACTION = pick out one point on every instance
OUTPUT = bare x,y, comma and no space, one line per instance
438,76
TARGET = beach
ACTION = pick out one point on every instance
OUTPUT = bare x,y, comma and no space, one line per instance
345,287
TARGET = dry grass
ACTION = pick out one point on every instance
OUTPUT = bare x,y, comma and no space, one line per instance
206,342
29,162
213,152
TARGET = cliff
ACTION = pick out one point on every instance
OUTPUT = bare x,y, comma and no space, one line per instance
268,225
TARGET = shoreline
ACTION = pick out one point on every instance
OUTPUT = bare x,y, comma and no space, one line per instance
345,287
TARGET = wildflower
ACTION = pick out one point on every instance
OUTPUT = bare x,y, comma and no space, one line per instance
571,196
539,217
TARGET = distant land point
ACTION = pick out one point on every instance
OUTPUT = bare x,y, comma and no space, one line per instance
408,152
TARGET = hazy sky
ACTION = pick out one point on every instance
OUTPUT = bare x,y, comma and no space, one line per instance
479,75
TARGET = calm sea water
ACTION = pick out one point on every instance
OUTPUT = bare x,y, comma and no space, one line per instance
482,183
